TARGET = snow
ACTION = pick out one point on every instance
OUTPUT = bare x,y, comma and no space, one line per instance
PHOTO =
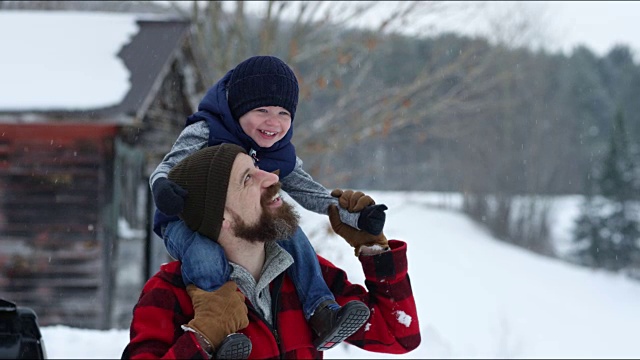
403,318
63,60
477,297
62,342
125,231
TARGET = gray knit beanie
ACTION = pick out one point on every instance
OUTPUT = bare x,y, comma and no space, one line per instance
262,81
205,175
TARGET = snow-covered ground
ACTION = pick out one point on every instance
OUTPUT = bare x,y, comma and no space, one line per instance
477,297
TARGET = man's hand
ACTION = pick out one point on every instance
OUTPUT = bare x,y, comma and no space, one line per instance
353,201
169,196
218,313
372,217
355,238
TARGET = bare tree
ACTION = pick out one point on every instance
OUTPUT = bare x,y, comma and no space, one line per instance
462,95
515,155
315,31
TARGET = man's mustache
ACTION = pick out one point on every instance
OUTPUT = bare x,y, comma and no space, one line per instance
271,191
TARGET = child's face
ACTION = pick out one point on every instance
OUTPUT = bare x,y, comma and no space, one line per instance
266,125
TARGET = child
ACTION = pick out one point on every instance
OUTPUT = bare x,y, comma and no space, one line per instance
254,106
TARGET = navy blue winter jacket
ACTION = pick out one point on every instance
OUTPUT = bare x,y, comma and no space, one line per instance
223,128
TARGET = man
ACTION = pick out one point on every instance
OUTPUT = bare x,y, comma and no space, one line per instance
229,194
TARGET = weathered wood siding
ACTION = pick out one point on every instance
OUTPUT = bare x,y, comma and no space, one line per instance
56,235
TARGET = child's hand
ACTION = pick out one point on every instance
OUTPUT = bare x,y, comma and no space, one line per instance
169,196
356,238
372,217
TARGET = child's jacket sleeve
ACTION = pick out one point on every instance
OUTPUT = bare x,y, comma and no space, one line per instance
192,138
312,196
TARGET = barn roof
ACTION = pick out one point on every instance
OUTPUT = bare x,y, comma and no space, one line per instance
61,64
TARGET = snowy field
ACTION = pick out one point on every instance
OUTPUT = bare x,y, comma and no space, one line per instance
477,297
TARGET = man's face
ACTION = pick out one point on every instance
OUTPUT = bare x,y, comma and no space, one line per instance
266,125
258,213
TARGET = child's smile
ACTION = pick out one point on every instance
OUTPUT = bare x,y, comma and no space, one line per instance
266,125
269,134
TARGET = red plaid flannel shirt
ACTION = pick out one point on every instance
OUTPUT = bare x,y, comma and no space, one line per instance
164,306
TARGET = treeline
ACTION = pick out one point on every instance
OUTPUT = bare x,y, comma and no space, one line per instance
507,128
533,122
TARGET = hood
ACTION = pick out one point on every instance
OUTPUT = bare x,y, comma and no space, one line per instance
214,106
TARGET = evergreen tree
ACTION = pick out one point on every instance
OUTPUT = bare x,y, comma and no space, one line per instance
617,178
608,228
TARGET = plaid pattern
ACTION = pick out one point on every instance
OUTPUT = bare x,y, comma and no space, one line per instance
164,305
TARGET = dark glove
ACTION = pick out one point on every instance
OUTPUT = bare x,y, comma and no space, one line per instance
169,196
218,313
372,219
355,238
372,216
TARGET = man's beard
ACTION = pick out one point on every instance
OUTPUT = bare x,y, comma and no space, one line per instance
277,224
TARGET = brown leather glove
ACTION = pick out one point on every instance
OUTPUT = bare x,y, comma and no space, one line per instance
353,201
218,313
372,216
355,238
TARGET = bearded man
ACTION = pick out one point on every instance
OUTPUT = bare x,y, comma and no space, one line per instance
230,196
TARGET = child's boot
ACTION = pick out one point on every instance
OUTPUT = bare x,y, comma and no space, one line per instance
234,346
333,323
218,316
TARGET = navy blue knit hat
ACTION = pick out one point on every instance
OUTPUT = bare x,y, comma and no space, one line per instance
262,81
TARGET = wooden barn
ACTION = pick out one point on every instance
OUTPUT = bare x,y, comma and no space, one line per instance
74,177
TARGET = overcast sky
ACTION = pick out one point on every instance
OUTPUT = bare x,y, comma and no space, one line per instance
599,24
562,24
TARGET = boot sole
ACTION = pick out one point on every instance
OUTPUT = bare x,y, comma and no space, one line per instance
234,346
355,314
